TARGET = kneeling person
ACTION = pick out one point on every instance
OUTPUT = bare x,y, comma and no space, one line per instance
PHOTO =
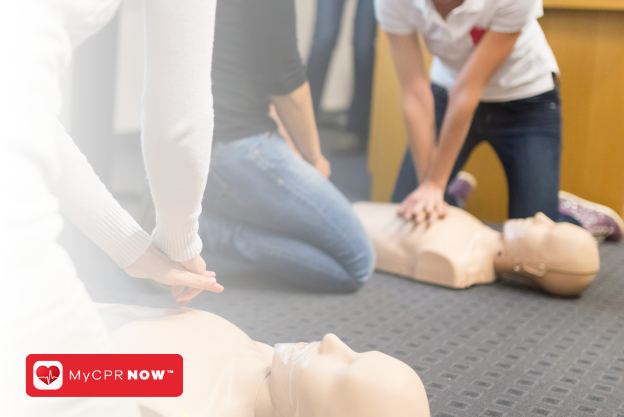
264,204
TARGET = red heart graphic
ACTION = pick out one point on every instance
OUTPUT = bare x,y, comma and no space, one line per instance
477,33
48,375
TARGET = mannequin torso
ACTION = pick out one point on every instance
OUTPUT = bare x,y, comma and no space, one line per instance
237,369
457,252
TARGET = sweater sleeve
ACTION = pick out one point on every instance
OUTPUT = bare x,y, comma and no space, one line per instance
178,118
88,204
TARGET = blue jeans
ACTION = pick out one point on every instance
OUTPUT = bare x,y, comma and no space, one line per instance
526,136
326,30
266,206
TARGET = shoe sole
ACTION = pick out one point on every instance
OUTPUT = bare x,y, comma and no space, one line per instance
607,211
468,177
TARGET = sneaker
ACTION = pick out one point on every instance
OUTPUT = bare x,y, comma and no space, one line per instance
461,187
601,221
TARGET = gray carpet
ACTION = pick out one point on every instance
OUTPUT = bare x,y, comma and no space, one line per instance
505,349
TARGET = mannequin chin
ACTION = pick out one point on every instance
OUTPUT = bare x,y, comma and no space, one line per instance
226,374
460,251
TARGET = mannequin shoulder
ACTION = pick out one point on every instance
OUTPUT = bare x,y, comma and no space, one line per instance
266,351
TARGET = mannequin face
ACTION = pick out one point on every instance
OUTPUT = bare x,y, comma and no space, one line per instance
561,257
327,379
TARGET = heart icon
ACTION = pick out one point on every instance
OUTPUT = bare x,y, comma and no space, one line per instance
477,33
48,374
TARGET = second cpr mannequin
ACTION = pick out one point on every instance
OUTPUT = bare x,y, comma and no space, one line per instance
226,374
460,251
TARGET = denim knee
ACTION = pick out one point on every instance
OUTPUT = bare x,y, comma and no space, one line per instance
362,267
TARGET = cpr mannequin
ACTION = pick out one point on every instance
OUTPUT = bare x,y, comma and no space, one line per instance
226,374
460,251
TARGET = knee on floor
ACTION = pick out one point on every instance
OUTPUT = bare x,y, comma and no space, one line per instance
362,267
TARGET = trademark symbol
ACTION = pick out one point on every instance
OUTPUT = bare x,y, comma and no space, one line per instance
169,371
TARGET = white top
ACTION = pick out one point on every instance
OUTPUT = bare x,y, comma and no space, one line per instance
37,39
526,72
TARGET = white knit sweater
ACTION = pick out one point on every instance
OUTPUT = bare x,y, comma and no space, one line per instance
37,39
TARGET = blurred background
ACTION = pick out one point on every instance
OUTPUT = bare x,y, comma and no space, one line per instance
102,102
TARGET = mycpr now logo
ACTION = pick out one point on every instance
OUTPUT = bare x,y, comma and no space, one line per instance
106,375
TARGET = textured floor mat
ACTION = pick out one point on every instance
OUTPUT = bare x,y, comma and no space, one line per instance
498,350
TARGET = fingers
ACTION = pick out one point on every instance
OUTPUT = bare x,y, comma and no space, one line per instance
191,293
433,216
177,290
402,207
443,209
189,279
187,296
419,213
196,264
423,212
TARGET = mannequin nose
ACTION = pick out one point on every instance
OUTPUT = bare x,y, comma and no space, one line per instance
331,344
541,218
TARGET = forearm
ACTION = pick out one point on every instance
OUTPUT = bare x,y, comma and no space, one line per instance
418,111
464,98
178,118
89,205
457,121
297,115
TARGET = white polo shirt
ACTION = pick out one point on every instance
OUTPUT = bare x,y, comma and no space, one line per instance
526,72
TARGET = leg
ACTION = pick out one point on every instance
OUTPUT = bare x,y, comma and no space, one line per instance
526,135
279,255
326,30
293,221
364,34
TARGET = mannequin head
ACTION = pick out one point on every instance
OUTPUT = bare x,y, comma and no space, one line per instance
560,257
328,379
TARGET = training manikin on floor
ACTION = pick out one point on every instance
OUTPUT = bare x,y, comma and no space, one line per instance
460,251
226,374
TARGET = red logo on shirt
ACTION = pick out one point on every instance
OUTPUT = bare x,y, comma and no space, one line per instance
477,33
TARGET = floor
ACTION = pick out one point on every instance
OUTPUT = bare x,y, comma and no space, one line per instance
506,349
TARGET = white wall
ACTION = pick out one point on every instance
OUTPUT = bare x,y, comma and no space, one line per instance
129,77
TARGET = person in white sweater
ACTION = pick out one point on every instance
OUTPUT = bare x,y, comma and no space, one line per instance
46,308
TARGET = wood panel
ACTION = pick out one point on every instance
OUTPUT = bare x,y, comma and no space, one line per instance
589,46
585,4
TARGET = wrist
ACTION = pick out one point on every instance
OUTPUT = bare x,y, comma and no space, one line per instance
313,158
437,183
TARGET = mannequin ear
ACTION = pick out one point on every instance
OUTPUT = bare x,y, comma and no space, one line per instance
536,268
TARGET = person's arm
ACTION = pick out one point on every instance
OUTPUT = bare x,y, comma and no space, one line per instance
417,99
87,203
427,201
178,119
297,115
282,130
272,27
